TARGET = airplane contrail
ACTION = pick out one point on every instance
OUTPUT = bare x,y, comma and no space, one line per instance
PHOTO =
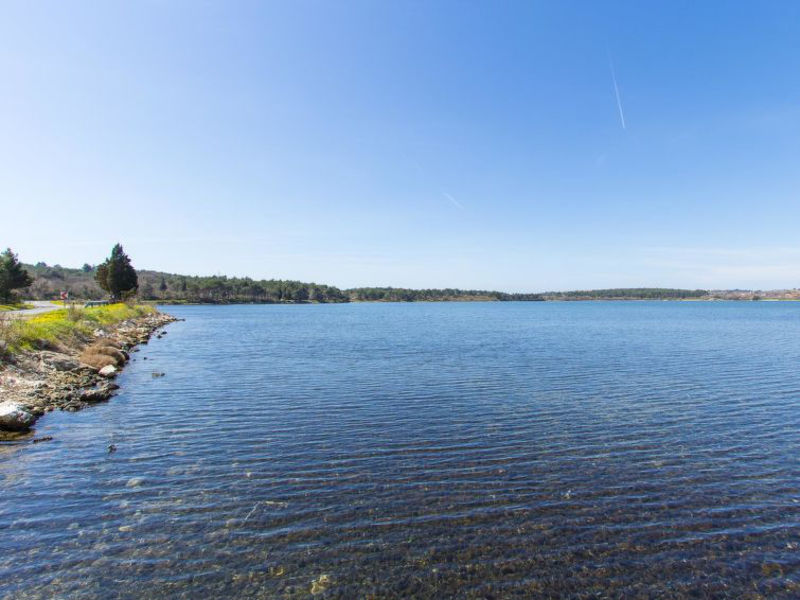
455,202
616,91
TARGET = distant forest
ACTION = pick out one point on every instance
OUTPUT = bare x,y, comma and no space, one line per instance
50,281
168,287
627,294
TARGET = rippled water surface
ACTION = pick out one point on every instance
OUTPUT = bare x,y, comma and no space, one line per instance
425,450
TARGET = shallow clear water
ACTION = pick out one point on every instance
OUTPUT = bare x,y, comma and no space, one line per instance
642,449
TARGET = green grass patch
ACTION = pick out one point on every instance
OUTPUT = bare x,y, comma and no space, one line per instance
20,306
64,326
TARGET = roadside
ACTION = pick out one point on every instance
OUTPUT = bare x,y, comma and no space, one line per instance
38,307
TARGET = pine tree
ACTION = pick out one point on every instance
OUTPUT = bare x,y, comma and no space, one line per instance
12,275
116,275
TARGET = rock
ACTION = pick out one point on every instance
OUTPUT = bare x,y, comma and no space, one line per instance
60,362
42,344
320,584
108,371
46,438
100,394
14,417
135,482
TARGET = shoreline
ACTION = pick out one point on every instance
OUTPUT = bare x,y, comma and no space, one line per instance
40,381
470,300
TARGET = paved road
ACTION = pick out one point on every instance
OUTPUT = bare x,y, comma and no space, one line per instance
39,306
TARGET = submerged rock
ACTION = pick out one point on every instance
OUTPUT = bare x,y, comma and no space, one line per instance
14,417
320,584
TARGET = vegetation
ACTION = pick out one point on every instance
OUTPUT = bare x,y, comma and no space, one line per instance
627,294
169,288
16,306
101,354
12,276
172,288
389,294
116,275
63,326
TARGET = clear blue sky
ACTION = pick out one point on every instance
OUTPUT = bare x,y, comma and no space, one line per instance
420,144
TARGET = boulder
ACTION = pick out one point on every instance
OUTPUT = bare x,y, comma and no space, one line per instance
99,394
108,371
60,362
14,417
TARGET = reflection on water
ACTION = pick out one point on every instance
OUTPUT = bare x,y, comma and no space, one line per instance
425,450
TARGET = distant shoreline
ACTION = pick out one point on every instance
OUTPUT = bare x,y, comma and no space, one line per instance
473,300
171,288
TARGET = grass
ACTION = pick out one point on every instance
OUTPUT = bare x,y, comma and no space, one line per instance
67,326
102,353
18,306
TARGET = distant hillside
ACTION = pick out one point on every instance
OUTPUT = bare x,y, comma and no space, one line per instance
627,294
169,287
389,294
49,281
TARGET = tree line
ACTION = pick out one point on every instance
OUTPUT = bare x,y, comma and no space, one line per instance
116,278
13,276
390,294
627,294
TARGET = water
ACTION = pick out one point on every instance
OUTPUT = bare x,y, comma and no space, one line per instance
585,450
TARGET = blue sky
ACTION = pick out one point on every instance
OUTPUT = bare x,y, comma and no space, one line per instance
419,144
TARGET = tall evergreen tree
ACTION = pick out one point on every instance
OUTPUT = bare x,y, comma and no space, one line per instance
12,275
116,275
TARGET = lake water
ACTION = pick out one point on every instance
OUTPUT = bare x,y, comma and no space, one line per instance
470,450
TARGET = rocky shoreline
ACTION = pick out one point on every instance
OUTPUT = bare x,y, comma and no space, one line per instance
37,382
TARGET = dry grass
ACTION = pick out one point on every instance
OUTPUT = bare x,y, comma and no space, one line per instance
103,353
8,335
96,359
75,313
